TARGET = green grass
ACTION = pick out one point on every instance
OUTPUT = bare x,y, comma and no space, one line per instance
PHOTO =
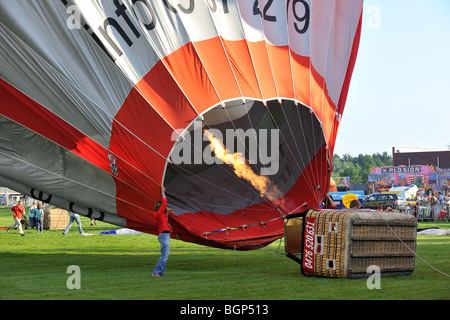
120,267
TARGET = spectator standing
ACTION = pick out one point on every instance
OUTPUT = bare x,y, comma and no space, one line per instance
39,218
31,217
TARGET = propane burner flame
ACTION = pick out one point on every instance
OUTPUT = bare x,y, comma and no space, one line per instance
242,169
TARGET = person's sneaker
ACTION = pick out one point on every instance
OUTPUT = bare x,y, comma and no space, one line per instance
156,275
22,234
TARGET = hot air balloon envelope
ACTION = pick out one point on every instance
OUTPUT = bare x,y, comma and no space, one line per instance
104,101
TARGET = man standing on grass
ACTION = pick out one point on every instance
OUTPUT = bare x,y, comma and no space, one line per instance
160,214
18,211
74,217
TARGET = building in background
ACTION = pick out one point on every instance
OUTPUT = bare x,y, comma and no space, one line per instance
8,197
343,183
384,178
425,168
420,156
439,159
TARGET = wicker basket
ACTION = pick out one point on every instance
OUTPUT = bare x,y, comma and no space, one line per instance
56,219
344,243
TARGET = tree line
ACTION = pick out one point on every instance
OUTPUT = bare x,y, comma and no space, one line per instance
359,167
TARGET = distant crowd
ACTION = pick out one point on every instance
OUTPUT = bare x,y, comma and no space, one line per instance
431,205
35,219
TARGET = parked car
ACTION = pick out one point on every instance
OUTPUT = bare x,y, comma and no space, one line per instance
384,200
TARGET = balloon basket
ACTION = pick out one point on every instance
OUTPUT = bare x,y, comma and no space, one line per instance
56,219
351,243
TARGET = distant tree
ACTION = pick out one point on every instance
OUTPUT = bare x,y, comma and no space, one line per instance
358,168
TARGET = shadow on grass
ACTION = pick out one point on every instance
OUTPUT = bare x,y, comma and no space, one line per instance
191,274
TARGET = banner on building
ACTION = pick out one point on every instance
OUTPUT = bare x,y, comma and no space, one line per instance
387,177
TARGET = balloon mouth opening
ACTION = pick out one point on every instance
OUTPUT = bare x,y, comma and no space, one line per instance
241,153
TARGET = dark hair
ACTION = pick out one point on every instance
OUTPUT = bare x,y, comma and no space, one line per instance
355,204
158,205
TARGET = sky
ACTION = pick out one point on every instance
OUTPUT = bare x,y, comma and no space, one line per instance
399,94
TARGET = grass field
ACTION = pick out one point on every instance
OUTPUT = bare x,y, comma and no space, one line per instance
120,267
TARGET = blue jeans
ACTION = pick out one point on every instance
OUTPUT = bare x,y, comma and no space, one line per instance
39,224
32,222
164,240
74,217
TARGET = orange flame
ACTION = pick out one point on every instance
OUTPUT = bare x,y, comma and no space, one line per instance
242,169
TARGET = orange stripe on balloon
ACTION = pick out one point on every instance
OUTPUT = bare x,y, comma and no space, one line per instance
263,68
216,64
241,62
187,70
163,93
301,78
281,69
